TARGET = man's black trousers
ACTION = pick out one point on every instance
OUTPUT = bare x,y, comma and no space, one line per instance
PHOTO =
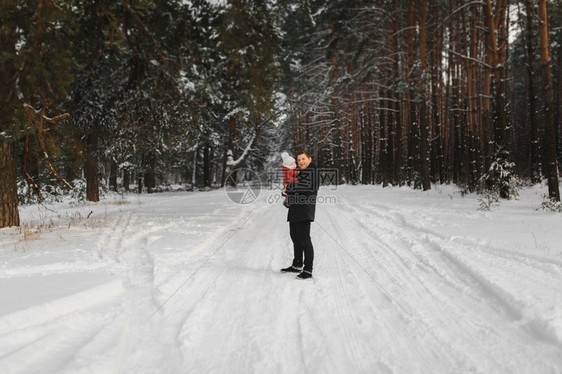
300,235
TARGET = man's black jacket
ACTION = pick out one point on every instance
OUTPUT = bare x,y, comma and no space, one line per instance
302,195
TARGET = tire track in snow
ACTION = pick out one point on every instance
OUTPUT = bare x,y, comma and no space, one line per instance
335,365
128,246
53,346
141,330
443,346
538,327
513,307
212,247
437,254
129,341
352,349
358,292
110,243
224,328
339,302
180,295
212,326
141,342
237,313
437,310
49,334
541,263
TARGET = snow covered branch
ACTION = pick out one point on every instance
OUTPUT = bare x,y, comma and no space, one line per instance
235,164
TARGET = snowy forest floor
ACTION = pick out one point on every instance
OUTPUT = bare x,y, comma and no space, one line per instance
404,282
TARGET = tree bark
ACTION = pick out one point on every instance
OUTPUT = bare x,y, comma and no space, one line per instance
473,129
9,214
126,179
26,159
550,133
497,62
207,165
150,173
410,107
92,181
364,147
531,70
195,168
424,122
139,183
113,175
383,144
229,148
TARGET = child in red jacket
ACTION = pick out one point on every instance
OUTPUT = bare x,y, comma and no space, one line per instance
289,169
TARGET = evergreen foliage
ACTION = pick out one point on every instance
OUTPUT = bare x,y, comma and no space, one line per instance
142,93
500,179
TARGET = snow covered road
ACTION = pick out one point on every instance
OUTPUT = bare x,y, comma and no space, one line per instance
404,282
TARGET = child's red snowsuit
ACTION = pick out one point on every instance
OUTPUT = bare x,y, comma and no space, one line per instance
289,175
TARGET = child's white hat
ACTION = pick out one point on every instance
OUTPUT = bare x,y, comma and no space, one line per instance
287,160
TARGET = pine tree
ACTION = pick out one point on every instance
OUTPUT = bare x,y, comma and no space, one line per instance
248,43
36,63
550,134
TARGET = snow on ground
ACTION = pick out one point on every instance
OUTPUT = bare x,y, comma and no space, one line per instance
188,282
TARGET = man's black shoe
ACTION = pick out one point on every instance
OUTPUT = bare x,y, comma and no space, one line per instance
291,269
305,275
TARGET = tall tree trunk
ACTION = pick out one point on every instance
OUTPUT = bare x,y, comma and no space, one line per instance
397,142
113,175
410,108
9,214
150,173
29,168
531,70
139,183
9,37
474,127
337,143
194,169
395,126
424,122
366,146
126,179
495,25
206,165
436,77
383,143
390,142
496,43
550,133
229,152
92,167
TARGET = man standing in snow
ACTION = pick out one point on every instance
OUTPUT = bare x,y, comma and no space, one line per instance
302,208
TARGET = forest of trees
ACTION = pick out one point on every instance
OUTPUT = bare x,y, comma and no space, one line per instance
104,94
